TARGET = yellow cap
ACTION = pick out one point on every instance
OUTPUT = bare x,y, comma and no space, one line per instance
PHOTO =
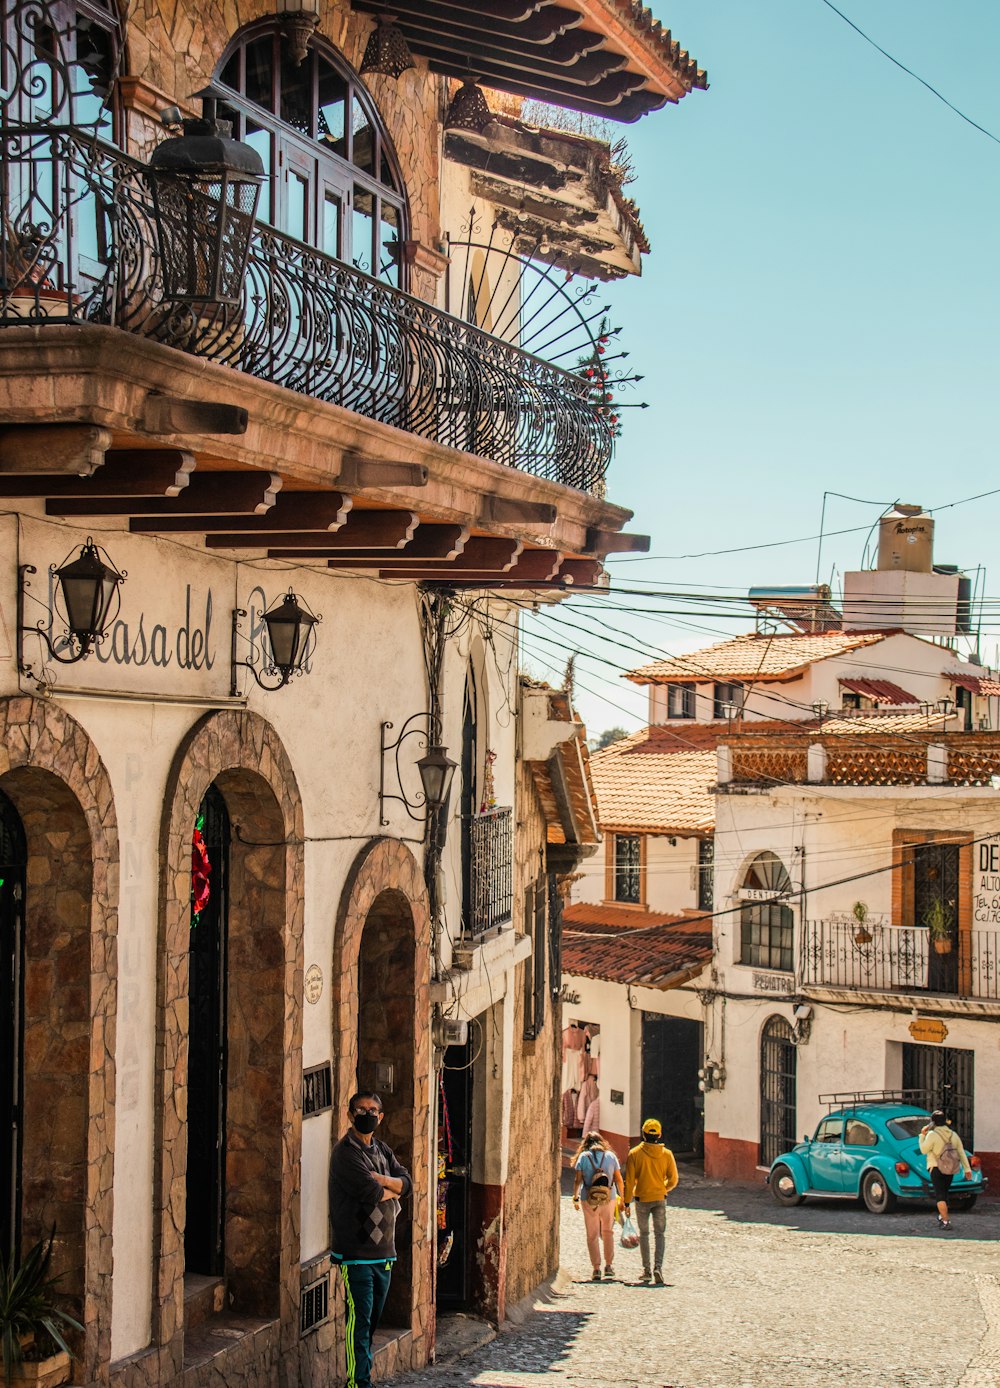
652,1126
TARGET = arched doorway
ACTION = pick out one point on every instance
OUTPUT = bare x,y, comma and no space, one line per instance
13,864
386,1054
778,1056
230,1028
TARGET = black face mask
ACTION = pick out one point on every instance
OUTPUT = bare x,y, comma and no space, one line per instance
365,1122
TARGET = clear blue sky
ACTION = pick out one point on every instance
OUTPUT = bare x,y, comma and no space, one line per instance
820,307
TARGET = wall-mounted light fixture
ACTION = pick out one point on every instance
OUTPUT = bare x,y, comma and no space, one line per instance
291,640
87,589
821,708
435,768
469,109
205,187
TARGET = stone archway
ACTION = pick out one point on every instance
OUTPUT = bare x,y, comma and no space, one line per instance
52,773
241,755
384,911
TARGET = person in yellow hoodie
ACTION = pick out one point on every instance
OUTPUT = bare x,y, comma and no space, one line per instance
650,1176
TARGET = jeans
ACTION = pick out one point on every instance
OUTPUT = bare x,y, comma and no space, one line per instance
658,1210
366,1286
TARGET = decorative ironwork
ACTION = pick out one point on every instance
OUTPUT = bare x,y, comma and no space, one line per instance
386,50
489,850
882,958
777,1089
79,245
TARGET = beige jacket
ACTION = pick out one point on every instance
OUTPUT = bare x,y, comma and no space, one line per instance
933,1142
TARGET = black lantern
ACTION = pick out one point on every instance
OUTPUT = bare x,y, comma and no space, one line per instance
387,50
468,109
87,587
437,770
206,186
291,637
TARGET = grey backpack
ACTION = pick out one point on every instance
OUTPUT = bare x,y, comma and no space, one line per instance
949,1162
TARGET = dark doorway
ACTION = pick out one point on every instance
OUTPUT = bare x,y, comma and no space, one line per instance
935,907
13,862
468,804
671,1055
946,1078
777,1090
204,1248
454,1280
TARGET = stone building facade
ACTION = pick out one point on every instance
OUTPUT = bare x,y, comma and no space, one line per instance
226,900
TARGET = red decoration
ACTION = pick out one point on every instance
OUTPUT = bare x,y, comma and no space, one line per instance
201,871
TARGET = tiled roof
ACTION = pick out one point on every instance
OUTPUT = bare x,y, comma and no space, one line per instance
872,722
882,691
661,955
763,658
588,915
976,684
658,780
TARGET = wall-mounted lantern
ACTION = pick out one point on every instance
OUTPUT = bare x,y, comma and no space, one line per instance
387,51
87,590
291,640
206,187
435,768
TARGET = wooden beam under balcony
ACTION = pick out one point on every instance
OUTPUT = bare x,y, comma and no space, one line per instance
430,542
61,449
125,472
533,566
482,555
241,493
364,530
316,513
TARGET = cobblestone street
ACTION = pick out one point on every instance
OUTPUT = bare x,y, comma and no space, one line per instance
763,1297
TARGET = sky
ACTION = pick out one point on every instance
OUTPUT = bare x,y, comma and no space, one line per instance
820,311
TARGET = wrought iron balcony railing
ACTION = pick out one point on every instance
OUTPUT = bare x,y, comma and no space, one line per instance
79,245
487,858
875,957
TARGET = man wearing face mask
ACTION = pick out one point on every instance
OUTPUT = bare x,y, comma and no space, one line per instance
366,1185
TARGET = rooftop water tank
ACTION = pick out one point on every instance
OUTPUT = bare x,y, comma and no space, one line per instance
906,540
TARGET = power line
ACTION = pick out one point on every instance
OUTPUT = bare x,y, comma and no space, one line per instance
910,73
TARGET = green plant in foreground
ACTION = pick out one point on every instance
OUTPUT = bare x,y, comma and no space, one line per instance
29,1304
938,920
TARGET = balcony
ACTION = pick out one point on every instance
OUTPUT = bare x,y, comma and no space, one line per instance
487,859
79,246
880,958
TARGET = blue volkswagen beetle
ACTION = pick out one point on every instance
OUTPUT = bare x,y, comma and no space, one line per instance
867,1148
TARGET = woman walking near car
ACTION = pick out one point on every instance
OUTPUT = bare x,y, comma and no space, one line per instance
597,1174
942,1147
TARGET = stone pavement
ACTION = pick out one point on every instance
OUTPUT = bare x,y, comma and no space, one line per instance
763,1297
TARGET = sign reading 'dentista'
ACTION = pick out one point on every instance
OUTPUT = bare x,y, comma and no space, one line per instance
986,882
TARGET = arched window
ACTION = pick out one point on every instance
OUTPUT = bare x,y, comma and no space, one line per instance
766,924
777,1089
333,179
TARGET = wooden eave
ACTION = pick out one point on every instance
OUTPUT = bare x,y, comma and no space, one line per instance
304,479
607,58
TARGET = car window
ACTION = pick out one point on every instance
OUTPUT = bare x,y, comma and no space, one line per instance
859,1134
908,1127
830,1130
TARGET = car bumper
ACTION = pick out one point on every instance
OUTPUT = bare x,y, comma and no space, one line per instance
925,1191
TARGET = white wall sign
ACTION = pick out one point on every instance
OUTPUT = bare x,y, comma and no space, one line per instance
313,983
773,983
986,882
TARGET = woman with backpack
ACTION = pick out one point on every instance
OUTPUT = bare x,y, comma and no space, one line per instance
942,1147
597,1174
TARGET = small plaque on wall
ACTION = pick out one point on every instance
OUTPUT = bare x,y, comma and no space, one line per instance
617,1096
313,983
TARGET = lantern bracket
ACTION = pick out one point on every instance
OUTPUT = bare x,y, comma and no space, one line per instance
265,670
421,725
71,647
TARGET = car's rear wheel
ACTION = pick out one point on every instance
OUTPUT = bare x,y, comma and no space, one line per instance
876,1194
966,1202
783,1187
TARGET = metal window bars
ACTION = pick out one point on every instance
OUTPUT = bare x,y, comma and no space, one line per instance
488,853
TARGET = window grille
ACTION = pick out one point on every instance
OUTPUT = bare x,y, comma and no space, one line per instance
628,862
314,1308
317,1090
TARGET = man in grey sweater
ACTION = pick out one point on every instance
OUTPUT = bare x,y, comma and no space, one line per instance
366,1186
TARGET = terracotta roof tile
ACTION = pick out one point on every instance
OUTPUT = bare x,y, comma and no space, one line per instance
761,658
661,955
976,684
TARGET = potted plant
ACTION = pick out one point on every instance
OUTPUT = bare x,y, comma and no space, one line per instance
862,935
31,1320
938,919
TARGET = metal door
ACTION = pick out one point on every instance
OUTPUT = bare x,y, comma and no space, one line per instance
671,1054
13,862
777,1090
946,1077
207,1055
935,881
